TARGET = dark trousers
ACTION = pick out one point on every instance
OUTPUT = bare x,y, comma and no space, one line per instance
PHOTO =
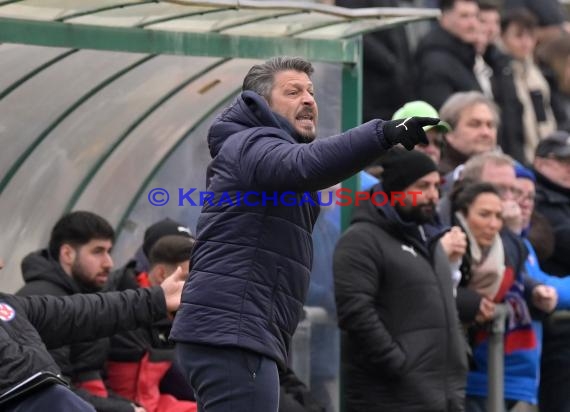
51,398
226,379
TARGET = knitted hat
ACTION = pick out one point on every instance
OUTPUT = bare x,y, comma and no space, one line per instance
524,172
165,227
402,168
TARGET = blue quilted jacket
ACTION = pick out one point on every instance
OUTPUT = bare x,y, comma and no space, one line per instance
252,259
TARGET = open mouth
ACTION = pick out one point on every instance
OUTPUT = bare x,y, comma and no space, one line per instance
306,119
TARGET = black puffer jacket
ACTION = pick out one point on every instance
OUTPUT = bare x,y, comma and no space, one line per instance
403,347
29,325
79,362
445,66
44,276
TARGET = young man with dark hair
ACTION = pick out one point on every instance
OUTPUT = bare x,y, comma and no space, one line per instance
251,264
518,36
77,260
446,55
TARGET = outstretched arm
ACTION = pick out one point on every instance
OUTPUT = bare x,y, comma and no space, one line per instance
82,317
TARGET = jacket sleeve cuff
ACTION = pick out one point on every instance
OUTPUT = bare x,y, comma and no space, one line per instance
467,302
380,134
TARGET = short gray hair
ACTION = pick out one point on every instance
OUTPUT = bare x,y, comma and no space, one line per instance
260,77
473,169
452,108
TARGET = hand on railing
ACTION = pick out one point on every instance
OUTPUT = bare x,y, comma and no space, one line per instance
486,311
499,318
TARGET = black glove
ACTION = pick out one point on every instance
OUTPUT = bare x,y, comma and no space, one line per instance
408,132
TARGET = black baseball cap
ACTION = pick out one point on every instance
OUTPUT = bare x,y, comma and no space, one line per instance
556,144
165,227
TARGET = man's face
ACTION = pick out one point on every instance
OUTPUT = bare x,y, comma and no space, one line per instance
526,198
475,132
462,21
490,21
92,263
504,179
292,97
555,169
433,148
423,208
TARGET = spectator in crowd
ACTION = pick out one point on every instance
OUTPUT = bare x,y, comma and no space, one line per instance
494,69
474,120
550,14
138,360
520,382
77,260
490,21
387,66
554,60
403,349
536,232
435,134
495,168
493,269
445,57
251,263
551,166
31,380
518,39
325,336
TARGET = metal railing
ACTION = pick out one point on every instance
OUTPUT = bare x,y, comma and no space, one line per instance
496,359
301,350
301,343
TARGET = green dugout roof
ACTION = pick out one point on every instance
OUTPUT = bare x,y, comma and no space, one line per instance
227,28
103,100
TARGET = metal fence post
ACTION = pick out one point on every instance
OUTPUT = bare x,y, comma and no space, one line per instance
496,359
301,342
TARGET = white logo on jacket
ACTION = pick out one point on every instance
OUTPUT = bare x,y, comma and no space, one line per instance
409,249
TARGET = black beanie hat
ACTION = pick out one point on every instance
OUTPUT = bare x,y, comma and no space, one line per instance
403,167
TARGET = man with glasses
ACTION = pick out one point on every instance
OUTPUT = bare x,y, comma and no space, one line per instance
552,169
498,169
537,236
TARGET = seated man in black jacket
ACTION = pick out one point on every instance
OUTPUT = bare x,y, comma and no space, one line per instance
77,260
29,326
